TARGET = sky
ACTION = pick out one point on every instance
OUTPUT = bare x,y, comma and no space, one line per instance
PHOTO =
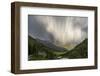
63,31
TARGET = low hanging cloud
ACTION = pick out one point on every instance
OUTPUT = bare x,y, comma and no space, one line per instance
62,31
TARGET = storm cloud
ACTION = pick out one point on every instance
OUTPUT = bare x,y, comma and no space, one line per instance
64,31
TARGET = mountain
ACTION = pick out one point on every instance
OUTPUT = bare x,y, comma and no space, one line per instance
80,51
45,50
42,50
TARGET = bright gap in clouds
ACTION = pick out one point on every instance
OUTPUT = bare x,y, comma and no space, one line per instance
63,31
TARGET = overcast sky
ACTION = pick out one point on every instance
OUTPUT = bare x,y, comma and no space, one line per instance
62,31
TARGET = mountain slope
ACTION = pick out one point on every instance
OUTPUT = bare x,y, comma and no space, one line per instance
80,51
42,50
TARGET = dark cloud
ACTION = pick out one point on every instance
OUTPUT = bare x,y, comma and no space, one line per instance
35,28
58,30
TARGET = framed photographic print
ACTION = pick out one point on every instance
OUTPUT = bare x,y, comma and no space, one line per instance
52,37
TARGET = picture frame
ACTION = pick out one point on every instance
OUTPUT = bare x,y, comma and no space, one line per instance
19,33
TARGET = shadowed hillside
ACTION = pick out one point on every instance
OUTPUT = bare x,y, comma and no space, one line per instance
38,50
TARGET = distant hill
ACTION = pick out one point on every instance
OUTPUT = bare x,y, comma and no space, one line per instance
44,50
51,45
80,51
